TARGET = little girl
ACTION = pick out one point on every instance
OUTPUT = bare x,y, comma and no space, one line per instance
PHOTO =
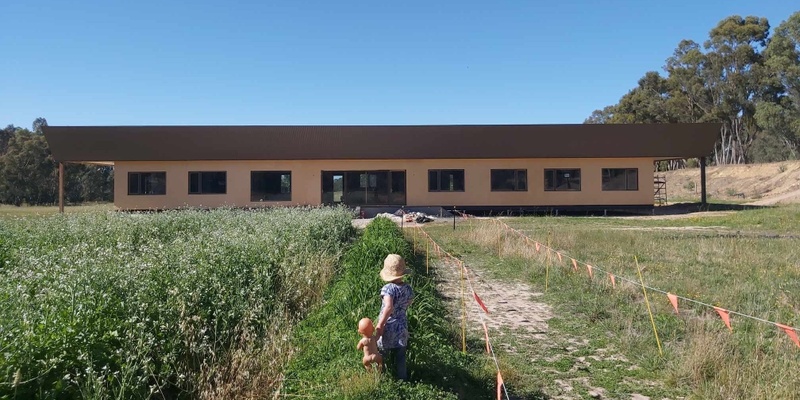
392,327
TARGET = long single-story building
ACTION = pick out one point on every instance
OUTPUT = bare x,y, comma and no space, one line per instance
463,166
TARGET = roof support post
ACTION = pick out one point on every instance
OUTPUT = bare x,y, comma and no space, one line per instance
61,187
703,200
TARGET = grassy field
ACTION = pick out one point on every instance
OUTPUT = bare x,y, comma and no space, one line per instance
745,261
189,304
9,211
326,363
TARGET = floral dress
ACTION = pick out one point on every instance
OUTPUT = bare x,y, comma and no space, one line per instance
395,333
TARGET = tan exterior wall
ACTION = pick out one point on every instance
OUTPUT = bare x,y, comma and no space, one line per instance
307,186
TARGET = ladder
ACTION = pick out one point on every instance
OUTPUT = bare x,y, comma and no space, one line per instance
660,190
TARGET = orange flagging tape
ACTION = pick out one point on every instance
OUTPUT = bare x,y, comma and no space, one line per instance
790,331
500,384
480,302
574,265
674,300
723,313
589,268
726,318
486,335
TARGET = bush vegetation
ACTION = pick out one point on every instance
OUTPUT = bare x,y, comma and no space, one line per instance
188,304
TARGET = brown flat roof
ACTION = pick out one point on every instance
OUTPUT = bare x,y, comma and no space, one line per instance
182,143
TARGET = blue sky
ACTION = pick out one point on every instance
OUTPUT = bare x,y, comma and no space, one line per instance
338,62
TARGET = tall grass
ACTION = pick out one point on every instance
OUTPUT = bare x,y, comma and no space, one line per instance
327,365
753,274
188,304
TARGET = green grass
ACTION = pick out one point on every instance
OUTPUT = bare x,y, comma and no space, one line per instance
184,304
751,272
326,363
9,211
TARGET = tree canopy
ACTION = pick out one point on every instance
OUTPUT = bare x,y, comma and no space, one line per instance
740,77
29,175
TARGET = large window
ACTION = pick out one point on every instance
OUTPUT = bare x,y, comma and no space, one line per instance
562,179
214,182
445,180
504,180
270,186
620,179
147,183
364,187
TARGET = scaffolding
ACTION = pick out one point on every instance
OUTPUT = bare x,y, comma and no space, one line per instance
660,190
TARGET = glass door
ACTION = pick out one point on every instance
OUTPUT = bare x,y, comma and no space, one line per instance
358,188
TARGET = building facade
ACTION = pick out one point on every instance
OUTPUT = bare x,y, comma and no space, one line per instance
487,166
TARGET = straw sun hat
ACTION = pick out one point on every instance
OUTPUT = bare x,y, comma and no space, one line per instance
393,268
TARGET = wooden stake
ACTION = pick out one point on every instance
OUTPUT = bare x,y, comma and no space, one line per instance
652,321
427,255
464,314
547,266
61,188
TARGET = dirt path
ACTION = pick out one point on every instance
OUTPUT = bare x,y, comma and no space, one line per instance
518,325
512,306
791,197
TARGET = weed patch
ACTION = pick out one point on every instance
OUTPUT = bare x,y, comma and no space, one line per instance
183,304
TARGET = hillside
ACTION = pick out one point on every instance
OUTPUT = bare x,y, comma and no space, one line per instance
756,184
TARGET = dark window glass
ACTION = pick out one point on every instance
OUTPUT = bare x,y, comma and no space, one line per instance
147,183
620,179
562,179
205,182
270,186
445,180
509,180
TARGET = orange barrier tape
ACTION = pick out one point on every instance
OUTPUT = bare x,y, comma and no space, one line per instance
726,318
674,300
480,302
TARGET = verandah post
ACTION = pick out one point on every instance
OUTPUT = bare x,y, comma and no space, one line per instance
61,187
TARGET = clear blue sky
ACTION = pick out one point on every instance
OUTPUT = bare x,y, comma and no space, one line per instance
149,62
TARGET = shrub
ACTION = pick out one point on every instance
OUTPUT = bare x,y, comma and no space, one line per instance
178,304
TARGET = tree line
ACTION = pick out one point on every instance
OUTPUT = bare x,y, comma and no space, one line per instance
740,77
29,175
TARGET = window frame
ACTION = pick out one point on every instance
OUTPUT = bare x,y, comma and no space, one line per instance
516,180
626,171
200,182
281,196
555,181
141,179
439,180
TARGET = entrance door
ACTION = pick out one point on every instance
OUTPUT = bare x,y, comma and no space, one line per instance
358,188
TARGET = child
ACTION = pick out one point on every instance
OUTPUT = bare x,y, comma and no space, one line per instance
392,327
370,345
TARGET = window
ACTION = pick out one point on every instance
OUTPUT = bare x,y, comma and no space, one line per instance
270,186
208,182
147,183
445,180
504,180
620,179
562,179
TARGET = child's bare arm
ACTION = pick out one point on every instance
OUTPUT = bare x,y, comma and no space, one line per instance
360,344
387,311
